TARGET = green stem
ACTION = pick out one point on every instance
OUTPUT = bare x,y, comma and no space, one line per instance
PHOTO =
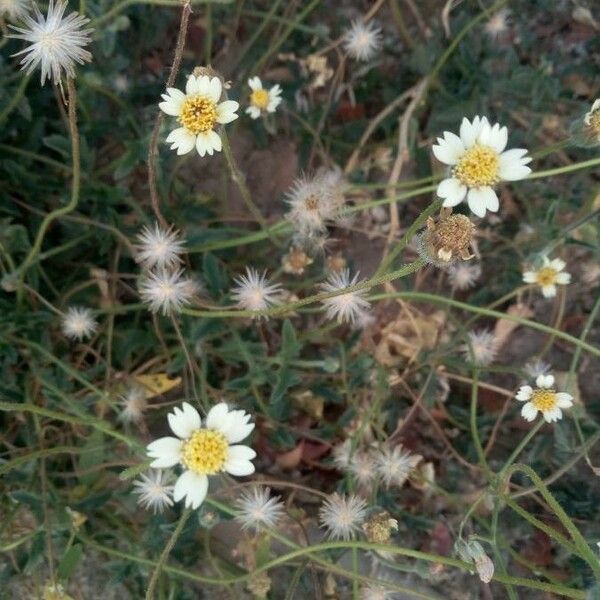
521,446
15,99
474,428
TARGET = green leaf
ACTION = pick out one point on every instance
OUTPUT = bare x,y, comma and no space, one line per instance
69,561
290,347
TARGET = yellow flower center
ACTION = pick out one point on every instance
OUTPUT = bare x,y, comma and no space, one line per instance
260,99
546,276
198,114
544,400
205,452
478,166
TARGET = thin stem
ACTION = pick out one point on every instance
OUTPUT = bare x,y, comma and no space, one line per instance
165,553
521,446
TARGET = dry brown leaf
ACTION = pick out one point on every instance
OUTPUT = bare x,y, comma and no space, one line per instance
504,327
156,384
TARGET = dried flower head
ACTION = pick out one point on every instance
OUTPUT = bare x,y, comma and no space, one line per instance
254,291
362,40
78,323
344,307
394,465
481,348
479,161
446,240
544,399
342,516
165,291
472,551
158,247
548,276
261,100
57,43
259,509
199,112
155,491
586,129
379,527
296,261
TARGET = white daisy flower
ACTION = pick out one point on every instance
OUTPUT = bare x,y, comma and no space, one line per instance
478,162
549,276
165,291
463,275
258,509
344,307
262,100
133,404
14,10
154,491
203,451
362,40
342,516
482,348
158,247
394,465
78,323
198,111
254,292
543,399
57,43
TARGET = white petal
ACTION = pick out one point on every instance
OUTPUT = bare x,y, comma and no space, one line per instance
553,415
166,451
491,198
253,112
449,148
184,421
545,381
238,428
499,138
564,400
477,199
255,83
214,140
549,291
452,190
240,452
217,416
525,392
529,411
181,140
173,101
557,264
530,277
239,468
469,131
511,166
563,278
215,89
192,85
226,111
193,487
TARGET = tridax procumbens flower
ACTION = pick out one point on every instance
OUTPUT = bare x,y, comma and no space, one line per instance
544,398
548,276
262,100
199,112
203,451
479,161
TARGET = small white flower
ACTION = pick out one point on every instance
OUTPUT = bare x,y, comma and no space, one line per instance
262,100
315,203
158,247
463,275
198,111
133,404
394,465
535,368
482,347
543,399
362,40
14,10
254,292
165,291
203,451
78,323
56,43
342,516
258,509
362,468
479,161
155,491
549,276
344,307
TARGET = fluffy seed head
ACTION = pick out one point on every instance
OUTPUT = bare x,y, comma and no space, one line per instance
14,10
394,465
155,492
133,404
362,40
254,292
342,516
78,323
482,347
158,247
346,308
463,275
258,509
165,291
57,43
